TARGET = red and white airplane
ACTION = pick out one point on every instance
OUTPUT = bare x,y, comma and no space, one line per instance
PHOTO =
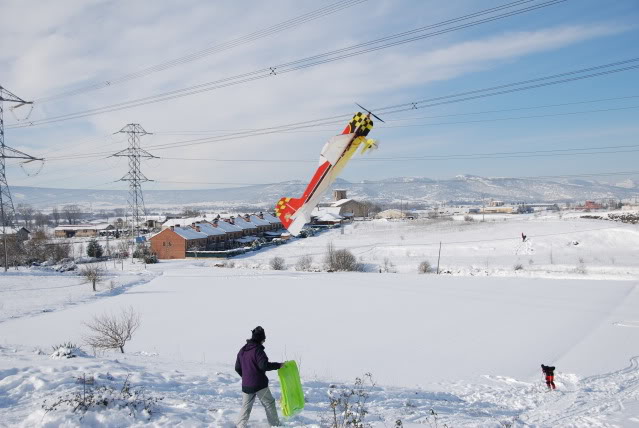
294,213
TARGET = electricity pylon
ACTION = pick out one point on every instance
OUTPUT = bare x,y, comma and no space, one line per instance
7,210
135,177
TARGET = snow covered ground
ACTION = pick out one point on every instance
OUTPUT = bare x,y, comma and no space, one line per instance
555,247
461,349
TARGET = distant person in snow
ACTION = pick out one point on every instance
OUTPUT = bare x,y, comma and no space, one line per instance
252,364
523,237
549,371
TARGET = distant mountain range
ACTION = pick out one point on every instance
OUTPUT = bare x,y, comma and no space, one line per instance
461,189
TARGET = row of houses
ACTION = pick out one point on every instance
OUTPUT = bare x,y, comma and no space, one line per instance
179,236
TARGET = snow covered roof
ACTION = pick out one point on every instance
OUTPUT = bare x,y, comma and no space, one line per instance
271,219
210,230
329,217
182,222
258,221
228,227
188,233
102,226
340,202
241,223
319,211
11,230
160,218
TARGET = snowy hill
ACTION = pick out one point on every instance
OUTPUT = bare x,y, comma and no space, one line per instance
459,349
463,188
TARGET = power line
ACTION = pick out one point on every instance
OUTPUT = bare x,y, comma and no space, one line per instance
248,38
304,63
531,153
223,132
415,105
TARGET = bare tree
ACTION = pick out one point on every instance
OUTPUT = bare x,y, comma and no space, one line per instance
370,208
41,220
26,212
189,212
71,213
93,274
277,263
112,331
305,263
341,260
55,216
424,267
118,212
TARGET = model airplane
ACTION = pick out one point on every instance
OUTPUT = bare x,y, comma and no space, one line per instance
294,213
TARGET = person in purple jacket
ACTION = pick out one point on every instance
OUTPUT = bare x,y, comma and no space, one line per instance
252,364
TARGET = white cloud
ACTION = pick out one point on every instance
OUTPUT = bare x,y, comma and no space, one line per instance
93,41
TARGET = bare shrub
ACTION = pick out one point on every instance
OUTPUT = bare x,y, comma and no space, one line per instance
341,260
581,267
469,218
66,350
111,331
518,266
93,274
304,263
92,397
388,266
277,263
424,267
348,405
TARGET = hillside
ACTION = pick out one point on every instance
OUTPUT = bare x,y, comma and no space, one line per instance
462,189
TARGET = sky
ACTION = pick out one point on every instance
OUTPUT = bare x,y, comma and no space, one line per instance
51,48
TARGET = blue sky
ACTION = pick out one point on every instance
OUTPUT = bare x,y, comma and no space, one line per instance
74,43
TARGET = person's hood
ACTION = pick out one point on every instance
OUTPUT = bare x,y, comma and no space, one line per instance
251,344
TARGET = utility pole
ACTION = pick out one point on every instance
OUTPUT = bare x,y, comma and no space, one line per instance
7,210
135,176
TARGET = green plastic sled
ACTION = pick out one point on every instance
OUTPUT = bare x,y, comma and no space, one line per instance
292,395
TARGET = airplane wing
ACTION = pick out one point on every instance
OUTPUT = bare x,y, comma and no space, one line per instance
294,213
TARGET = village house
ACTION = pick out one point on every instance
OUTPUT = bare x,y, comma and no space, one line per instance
591,205
232,231
174,242
83,230
15,234
343,206
327,218
248,227
153,221
394,214
263,226
276,226
216,237
271,219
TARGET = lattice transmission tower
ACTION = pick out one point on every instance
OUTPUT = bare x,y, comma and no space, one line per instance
135,177
7,210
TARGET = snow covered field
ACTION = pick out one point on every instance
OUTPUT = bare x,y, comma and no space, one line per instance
467,346
555,247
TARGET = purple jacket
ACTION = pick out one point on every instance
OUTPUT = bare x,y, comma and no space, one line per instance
252,364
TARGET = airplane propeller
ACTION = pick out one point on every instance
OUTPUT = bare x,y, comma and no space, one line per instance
371,113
